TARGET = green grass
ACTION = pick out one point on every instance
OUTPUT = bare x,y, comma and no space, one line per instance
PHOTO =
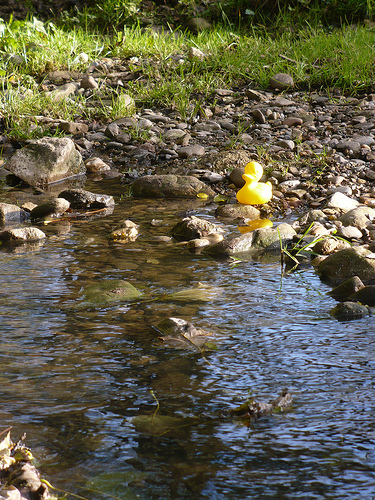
316,57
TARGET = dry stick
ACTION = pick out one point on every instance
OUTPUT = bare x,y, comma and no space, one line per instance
6,430
288,59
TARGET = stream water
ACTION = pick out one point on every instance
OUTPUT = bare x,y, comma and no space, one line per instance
112,412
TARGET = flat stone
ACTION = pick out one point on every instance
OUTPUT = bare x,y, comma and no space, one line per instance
193,150
341,201
292,121
20,235
349,233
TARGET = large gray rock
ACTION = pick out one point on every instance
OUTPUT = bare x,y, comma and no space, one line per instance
342,265
10,213
169,186
21,235
194,227
46,160
266,238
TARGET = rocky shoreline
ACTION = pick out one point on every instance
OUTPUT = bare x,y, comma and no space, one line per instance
318,152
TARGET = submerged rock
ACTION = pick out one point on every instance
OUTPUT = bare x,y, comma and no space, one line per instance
179,333
194,227
169,186
46,160
111,291
128,231
254,409
346,311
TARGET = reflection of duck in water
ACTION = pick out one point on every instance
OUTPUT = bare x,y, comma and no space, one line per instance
254,192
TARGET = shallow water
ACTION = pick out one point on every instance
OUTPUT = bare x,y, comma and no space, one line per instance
108,408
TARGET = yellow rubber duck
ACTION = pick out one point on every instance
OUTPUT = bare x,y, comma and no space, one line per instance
254,192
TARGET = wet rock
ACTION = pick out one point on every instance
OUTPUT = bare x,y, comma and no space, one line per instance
198,243
194,227
110,291
50,208
266,238
128,231
21,235
345,290
359,217
179,333
345,264
46,160
269,237
347,311
80,198
237,211
365,295
281,81
169,186
254,409
10,213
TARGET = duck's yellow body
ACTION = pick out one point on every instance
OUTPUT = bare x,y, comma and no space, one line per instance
254,192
